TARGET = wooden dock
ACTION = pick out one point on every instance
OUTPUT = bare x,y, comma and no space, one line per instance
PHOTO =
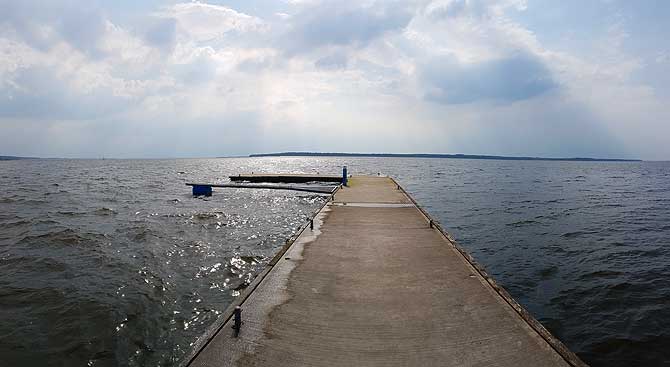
286,178
206,188
377,283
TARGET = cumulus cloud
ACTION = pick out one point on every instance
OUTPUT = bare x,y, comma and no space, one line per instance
37,92
43,25
344,23
446,9
202,22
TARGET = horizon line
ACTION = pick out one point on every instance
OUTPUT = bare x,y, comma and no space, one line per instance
355,154
441,155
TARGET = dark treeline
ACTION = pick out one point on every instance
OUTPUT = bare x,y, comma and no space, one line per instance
12,158
425,155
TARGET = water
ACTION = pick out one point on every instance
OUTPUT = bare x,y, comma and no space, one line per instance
113,263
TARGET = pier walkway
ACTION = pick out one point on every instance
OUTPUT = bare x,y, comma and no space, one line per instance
375,284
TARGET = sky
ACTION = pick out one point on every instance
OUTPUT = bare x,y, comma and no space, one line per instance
149,79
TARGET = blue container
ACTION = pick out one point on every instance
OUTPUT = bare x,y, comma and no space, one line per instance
202,190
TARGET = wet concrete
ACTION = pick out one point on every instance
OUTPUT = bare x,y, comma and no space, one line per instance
374,285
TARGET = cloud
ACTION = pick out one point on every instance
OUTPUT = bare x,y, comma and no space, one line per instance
162,34
510,79
448,9
202,22
83,28
344,23
38,93
43,24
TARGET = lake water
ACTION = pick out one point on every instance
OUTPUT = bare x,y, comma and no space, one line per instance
114,263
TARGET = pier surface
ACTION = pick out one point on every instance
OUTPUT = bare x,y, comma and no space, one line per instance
374,285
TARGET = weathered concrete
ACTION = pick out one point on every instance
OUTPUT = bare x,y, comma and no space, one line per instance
371,190
374,285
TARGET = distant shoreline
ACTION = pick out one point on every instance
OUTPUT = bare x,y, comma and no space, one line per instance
449,156
13,158
370,155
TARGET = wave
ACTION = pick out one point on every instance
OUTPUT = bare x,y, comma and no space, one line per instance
601,274
522,223
576,234
71,213
105,211
66,236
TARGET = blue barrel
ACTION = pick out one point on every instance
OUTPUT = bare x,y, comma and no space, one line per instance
344,176
202,190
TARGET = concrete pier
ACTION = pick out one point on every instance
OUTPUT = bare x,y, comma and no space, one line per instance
375,283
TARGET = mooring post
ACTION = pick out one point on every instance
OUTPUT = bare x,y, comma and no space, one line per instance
311,224
344,175
237,314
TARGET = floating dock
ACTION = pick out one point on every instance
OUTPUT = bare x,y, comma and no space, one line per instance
206,188
376,282
286,178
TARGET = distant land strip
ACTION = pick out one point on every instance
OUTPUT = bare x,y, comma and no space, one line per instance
12,158
426,155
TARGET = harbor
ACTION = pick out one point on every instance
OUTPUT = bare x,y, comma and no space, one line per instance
373,280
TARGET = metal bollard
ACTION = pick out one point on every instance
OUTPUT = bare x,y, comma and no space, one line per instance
430,223
237,314
311,224
344,176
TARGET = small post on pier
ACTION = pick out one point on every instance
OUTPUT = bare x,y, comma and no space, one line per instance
344,176
311,224
237,315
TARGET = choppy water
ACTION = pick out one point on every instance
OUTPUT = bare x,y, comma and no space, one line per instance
113,262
